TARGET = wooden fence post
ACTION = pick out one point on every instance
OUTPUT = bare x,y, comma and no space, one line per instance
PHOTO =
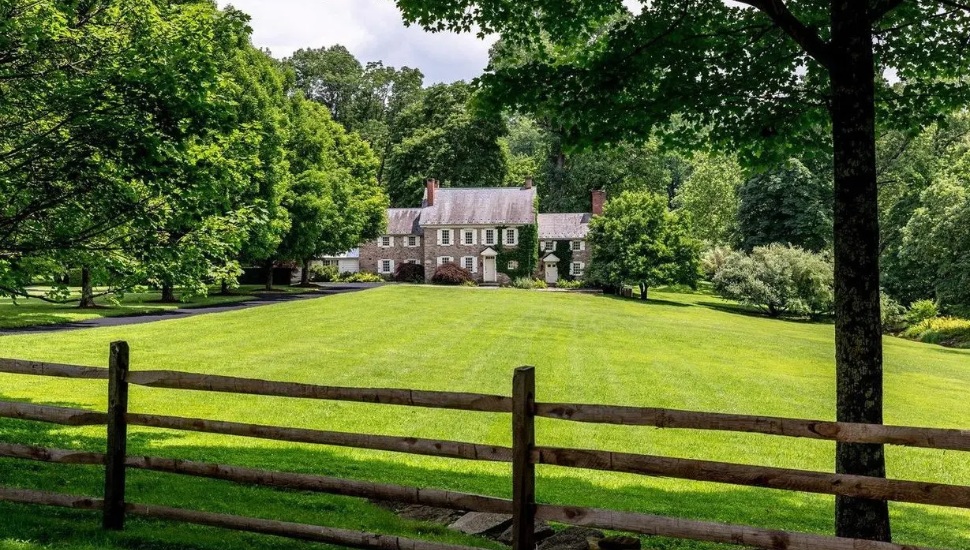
523,470
114,475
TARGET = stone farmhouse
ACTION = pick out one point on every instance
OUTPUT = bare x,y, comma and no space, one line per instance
495,233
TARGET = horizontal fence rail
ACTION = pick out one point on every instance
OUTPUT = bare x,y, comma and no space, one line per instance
707,531
384,396
846,432
37,368
875,488
524,455
342,537
270,478
411,445
64,416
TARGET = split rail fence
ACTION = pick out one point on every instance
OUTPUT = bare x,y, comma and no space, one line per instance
524,455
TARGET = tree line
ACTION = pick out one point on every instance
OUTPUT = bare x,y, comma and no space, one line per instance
150,142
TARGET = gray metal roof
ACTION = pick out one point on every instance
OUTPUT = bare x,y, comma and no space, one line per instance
564,226
403,221
481,206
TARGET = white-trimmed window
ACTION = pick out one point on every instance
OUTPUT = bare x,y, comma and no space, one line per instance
413,241
576,246
511,236
576,269
411,261
385,267
330,263
488,237
386,241
513,265
445,237
469,263
445,260
547,246
468,236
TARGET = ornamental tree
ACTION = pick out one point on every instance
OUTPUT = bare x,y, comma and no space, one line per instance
760,77
638,240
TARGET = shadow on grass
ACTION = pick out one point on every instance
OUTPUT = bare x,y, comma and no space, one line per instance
648,301
75,529
749,311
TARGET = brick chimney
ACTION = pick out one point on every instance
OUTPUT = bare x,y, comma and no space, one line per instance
528,182
432,185
599,199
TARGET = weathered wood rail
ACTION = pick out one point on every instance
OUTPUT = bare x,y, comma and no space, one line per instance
523,455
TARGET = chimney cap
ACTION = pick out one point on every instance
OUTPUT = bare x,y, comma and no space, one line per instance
528,182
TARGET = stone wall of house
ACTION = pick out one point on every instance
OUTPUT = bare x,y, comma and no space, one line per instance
564,267
457,251
433,250
371,253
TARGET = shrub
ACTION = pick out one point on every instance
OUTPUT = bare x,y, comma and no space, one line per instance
324,273
409,273
361,277
946,331
451,274
569,285
528,283
893,314
779,279
713,260
921,310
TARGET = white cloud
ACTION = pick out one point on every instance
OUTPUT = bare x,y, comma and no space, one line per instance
371,29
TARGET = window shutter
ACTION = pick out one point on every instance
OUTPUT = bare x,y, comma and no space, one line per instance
582,245
542,246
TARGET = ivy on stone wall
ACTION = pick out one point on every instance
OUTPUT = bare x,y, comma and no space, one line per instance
564,252
526,253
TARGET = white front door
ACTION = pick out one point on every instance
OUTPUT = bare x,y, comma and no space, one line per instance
488,269
552,272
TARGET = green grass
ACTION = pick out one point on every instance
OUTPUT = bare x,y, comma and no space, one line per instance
677,350
28,312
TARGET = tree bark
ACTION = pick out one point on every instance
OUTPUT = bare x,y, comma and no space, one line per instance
168,293
305,274
269,275
87,290
858,334
224,288
643,291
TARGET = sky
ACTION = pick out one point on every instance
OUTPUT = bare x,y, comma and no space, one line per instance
371,29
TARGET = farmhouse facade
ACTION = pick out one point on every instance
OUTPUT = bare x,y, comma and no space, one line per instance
494,233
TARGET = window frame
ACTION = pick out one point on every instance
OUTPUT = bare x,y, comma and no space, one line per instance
445,235
485,236
380,266
511,234
388,238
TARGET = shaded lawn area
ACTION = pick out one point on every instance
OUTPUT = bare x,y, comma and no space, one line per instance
28,312
668,352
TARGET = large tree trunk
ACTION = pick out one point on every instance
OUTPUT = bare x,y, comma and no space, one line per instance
858,334
87,290
643,291
305,274
269,275
168,293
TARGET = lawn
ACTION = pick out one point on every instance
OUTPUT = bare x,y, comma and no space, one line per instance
677,350
28,312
